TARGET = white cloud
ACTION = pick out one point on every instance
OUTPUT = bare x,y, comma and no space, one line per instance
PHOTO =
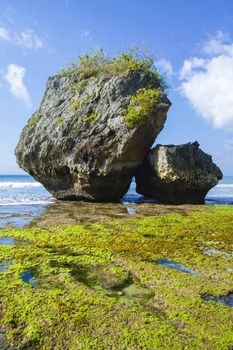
27,38
4,33
218,44
190,65
14,76
164,66
207,82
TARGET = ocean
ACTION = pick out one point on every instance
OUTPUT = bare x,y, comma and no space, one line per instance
22,198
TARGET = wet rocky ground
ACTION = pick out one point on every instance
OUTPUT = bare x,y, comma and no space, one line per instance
73,213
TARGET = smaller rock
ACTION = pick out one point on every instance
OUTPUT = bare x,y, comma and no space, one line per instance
177,174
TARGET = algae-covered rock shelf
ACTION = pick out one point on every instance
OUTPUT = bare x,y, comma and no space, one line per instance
150,283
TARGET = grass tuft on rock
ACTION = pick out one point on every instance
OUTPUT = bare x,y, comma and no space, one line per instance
98,64
34,119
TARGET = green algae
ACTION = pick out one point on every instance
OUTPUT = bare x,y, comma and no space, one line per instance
99,286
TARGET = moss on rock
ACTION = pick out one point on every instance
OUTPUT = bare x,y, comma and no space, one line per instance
34,119
142,105
91,118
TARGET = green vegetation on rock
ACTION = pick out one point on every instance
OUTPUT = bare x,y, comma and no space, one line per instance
81,85
59,121
34,119
142,105
75,105
90,118
81,102
99,286
97,64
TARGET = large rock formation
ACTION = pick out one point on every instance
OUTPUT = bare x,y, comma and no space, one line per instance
177,174
80,145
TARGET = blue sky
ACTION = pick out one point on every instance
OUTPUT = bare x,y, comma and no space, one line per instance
192,43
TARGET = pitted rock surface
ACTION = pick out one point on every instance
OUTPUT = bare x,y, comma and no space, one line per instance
78,145
177,174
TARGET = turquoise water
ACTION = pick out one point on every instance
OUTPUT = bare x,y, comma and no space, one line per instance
22,198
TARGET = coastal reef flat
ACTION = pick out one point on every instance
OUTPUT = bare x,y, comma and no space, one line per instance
156,282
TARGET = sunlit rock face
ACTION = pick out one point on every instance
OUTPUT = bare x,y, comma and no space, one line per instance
78,143
177,174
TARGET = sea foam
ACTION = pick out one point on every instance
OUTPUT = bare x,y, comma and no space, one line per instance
19,184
